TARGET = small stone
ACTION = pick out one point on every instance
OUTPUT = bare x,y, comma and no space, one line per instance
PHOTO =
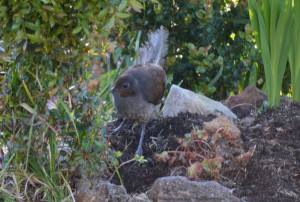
222,122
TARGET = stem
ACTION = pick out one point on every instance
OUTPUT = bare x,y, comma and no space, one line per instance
122,164
184,152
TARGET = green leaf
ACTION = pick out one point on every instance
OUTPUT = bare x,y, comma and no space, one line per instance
58,31
103,13
200,70
33,38
51,21
122,15
3,10
60,14
191,46
28,108
86,30
211,89
16,24
28,92
30,132
254,21
76,30
118,154
111,23
52,83
44,16
30,26
20,35
122,5
136,4
48,8
271,22
294,53
206,165
78,4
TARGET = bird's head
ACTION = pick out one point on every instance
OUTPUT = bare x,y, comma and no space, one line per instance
125,86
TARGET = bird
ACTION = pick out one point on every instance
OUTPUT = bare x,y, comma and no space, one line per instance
138,92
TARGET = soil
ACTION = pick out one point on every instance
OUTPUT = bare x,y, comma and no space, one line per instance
271,174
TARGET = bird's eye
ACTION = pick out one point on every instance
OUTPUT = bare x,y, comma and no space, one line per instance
125,85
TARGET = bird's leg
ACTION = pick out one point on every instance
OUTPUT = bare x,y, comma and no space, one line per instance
118,129
139,150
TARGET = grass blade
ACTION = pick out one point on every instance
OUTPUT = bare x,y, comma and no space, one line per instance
30,137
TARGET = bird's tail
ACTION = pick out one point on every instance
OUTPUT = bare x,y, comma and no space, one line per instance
156,48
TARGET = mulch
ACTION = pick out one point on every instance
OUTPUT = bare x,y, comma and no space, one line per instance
271,174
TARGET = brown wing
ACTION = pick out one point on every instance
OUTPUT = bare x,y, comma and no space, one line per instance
152,80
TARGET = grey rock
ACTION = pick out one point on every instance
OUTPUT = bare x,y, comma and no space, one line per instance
141,198
101,191
183,100
180,189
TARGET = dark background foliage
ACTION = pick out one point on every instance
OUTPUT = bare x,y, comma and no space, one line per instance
194,25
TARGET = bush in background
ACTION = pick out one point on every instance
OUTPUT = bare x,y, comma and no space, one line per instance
211,47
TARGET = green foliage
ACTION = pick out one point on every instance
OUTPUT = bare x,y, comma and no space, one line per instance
194,26
41,181
271,21
294,53
136,158
47,51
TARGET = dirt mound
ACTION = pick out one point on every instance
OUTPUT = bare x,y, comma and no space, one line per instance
272,174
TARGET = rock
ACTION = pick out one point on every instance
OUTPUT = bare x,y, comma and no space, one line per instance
98,190
141,198
250,99
226,138
180,189
219,122
182,100
173,189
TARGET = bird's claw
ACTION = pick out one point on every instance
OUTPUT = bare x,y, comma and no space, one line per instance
118,129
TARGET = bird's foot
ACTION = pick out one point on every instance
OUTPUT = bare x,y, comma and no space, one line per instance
118,129
139,151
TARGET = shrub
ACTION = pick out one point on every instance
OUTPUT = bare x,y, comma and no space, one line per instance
194,26
52,124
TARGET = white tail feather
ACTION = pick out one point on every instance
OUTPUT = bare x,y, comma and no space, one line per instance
156,48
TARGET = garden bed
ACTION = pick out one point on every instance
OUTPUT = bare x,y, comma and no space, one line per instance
272,173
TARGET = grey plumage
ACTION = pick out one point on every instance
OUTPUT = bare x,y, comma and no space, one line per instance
156,48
